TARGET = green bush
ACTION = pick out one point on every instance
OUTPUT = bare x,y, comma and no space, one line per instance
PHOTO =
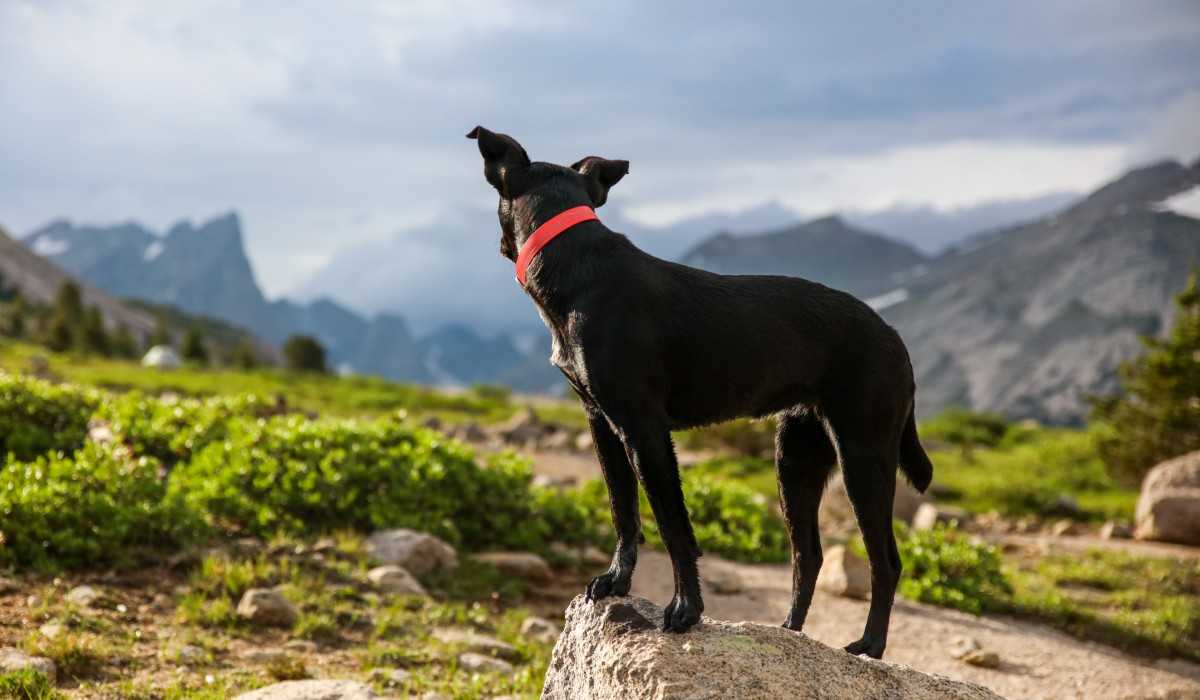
729,518
37,417
945,567
291,475
171,430
85,509
27,684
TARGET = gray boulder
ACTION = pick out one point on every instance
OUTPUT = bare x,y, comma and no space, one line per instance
311,690
419,552
613,649
1168,509
395,579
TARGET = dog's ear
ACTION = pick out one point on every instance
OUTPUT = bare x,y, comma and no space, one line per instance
601,174
504,161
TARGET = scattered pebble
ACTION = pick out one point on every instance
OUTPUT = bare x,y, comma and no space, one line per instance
267,607
961,646
83,596
483,664
982,659
539,629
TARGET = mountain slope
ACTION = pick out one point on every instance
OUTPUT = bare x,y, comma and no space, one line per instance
39,280
1030,320
824,250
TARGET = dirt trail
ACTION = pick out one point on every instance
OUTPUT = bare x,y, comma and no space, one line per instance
1037,662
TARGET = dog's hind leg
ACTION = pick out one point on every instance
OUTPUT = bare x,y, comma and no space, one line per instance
870,476
623,498
804,458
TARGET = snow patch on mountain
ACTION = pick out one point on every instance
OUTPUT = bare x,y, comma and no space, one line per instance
1186,203
47,246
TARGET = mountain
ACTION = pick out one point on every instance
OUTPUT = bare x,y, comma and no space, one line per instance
826,250
1031,319
39,279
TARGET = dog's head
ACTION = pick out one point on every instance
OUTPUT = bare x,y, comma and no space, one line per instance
532,192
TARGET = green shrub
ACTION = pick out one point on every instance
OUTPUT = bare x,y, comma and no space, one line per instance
945,567
289,475
729,518
965,429
84,509
27,684
37,417
752,438
171,430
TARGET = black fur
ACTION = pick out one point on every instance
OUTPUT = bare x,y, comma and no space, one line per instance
651,346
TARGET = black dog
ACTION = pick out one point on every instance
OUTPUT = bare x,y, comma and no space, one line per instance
651,346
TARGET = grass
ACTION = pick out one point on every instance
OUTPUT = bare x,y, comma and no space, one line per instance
27,684
1143,605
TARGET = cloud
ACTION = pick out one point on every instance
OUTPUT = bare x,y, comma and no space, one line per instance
333,125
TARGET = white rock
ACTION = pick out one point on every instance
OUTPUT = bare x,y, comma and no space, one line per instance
312,690
82,596
961,646
52,630
480,663
265,606
1113,530
16,660
418,552
613,649
524,565
845,573
395,579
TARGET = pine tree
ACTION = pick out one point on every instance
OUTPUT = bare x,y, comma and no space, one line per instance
161,334
304,354
91,337
244,356
193,349
14,321
1158,417
122,343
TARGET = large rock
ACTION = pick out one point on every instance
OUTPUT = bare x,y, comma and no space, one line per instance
613,649
1169,508
395,579
12,659
311,690
845,573
419,552
836,508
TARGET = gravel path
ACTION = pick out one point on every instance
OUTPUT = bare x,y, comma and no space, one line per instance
1037,662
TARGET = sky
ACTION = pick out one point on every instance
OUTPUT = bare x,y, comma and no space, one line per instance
335,127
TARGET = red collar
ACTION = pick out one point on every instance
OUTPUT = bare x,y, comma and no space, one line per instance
549,231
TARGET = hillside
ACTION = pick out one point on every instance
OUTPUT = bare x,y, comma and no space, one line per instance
1030,320
39,281
826,250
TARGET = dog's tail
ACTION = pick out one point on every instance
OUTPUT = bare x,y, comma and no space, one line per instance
913,461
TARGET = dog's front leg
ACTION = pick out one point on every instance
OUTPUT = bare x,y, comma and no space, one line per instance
623,497
653,458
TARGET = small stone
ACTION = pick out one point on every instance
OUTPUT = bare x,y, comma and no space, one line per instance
395,579
845,573
433,423
583,442
961,646
471,432
301,646
16,660
1113,530
8,585
479,663
325,545
265,655
539,629
1062,528
82,596
312,690
246,546
982,659
391,677
191,655
929,515
52,630
266,607
524,565
475,642
435,696
723,581
418,552
100,432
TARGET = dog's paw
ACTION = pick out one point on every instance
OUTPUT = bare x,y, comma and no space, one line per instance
867,646
681,614
793,624
609,583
